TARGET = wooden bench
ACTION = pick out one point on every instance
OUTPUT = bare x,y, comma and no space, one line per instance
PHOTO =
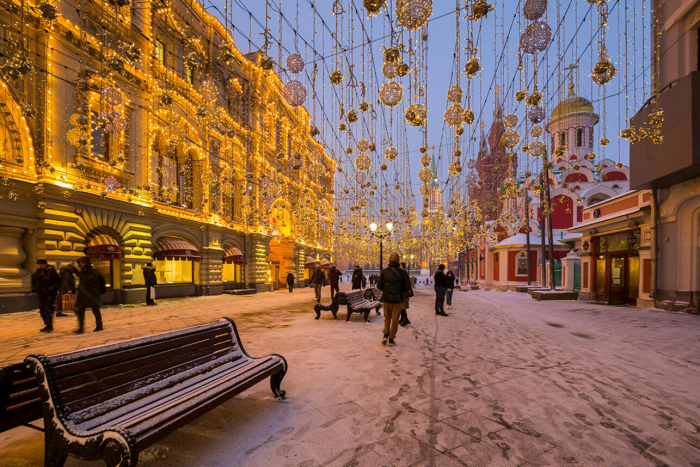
20,401
357,304
373,294
112,401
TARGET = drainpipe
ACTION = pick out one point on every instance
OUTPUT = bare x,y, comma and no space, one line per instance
654,244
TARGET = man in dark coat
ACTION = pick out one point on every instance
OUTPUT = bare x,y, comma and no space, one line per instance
149,277
394,284
439,286
318,279
333,279
67,284
290,281
88,294
45,284
356,278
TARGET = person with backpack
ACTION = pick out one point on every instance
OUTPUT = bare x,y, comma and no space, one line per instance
91,286
149,277
45,284
290,281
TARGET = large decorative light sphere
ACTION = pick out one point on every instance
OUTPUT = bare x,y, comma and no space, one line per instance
363,145
536,37
454,115
425,160
363,162
112,96
510,139
454,94
536,131
391,153
416,115
424,190
360,177
115,123
295,93
536,114
391,93
455,167
509,121
538,148
425,174
604,71
534,9
413,14
295,63
390,70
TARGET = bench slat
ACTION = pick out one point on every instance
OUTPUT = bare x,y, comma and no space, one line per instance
93,382
102,358
111,392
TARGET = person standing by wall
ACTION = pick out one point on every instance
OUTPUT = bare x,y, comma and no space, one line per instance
90,288
394,284
333,278
449,290
290,281
67,286
356,278
318,280
149,276
45,284
439,287
409,293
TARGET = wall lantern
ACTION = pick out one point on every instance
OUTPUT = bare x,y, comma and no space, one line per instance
586,245
633,239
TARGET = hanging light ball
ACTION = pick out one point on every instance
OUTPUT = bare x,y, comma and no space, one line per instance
383,167
413,14
454,94
403,70
425,174
536,114
510,139
534,9
391,153
454,115
472,67
373,7
112,96
360,177
538,148
48,11
604,71
391,93
536,37
509,121
390,70
115,122
295,93
471,163
295,63
425,160
133,52
363,145
336,77
455,168
424,190
363,162
536,131
416,115
468,116
28,111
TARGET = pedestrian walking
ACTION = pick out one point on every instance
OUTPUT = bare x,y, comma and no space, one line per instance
67,287
449,290
290,281
45,284
364,281
149,276
404,315
91,286
318,279
439,287
356,278
394,284
333,277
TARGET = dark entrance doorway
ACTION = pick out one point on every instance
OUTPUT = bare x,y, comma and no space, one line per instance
617,268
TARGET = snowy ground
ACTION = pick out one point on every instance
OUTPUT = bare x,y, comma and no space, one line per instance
502,381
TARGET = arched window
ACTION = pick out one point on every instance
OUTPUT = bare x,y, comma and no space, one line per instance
579,137
562,138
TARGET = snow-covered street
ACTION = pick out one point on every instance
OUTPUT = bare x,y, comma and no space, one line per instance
502,381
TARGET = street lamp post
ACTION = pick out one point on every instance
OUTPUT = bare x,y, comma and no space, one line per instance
381,236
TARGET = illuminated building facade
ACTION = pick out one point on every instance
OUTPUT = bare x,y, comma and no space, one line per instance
139,132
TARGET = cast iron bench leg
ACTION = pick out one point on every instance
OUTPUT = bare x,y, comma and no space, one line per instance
276,382
367,315
350,310
334,310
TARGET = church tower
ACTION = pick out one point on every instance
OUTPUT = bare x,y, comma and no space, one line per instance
435,198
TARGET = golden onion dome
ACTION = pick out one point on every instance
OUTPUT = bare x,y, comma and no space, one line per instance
572,106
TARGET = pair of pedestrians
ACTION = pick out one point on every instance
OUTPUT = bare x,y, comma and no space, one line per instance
47,283
444,288
318,279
